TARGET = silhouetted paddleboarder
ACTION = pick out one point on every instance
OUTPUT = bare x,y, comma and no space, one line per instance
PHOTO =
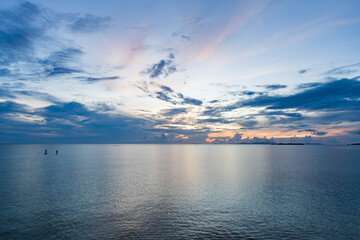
45,151
57,151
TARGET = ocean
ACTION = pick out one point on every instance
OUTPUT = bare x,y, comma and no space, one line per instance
135,191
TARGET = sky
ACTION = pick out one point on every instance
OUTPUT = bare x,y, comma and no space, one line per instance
179,71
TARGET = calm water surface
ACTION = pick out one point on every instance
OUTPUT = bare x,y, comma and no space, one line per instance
179,191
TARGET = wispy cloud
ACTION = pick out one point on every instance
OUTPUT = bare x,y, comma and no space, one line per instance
308,85
14,92
163,68
275,86
168,95
99,79
295,34
188,25
176,98
246,12
20,28
28,32
173,111
88,23
313,132
303,71
344,70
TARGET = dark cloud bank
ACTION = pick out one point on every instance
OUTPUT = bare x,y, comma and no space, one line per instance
333,102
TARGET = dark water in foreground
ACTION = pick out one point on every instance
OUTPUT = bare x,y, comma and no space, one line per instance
179,191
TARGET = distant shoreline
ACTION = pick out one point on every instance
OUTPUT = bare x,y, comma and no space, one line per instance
164,143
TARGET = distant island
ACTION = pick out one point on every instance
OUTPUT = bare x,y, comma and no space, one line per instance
290,143
354,144
271,143
298,144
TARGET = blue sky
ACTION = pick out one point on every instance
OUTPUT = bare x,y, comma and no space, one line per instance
179,71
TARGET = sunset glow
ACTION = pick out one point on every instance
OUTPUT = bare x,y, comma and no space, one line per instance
179,71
